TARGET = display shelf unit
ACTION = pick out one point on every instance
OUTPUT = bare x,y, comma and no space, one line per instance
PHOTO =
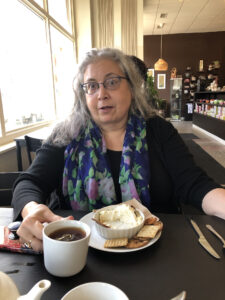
175,98
209,112
189,88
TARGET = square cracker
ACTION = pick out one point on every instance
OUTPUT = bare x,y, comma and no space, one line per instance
115,243
148,231
136,243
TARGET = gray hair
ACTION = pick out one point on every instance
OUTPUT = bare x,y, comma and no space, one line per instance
67,130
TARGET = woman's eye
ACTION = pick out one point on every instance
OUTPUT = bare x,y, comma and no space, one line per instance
92,85
112,82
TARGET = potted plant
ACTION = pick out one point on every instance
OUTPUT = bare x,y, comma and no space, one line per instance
158,103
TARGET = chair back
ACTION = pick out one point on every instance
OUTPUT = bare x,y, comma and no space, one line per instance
7,180
32,145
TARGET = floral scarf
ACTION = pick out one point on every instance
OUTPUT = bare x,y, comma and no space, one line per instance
87,179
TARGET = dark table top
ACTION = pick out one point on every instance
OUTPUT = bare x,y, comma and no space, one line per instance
174,263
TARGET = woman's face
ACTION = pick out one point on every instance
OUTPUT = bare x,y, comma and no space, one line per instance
108,108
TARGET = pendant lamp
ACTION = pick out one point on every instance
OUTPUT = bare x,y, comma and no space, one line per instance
161,64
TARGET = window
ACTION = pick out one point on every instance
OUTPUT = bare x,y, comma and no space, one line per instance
37,62
64,70
61,12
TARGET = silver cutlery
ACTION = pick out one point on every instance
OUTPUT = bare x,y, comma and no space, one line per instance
216,234
181,296
202,240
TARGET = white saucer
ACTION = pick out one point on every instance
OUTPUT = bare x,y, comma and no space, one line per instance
97,242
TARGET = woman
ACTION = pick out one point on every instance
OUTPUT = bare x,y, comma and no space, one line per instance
111,149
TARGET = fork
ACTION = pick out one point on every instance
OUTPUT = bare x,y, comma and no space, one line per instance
216,234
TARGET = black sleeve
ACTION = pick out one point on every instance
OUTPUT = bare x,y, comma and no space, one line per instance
40,179
190,182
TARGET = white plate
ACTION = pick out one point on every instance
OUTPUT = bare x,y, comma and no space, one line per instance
97,242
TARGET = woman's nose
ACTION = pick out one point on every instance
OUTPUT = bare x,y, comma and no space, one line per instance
102,92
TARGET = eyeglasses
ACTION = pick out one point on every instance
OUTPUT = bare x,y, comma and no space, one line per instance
111,83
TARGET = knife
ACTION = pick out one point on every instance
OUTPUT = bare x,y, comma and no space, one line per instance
202,240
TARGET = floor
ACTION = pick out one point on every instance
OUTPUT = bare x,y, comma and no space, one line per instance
213,147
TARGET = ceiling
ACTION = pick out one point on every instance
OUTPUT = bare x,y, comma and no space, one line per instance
183,16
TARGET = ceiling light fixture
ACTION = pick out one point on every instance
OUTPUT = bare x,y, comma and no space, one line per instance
161,64
160,26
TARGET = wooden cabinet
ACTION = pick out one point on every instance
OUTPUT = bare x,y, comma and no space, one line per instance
209,112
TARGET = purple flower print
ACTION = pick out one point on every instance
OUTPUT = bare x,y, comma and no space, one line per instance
92,188
132,134
75,205
65,186
129,191
106,187
89,143
127,160
133,189
126,148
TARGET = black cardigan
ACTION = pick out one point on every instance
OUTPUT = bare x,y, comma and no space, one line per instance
174,176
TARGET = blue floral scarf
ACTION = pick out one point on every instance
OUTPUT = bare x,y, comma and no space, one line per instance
87,179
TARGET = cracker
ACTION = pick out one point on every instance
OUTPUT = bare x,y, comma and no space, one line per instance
160,224
148,231
116,243
100,223
136,243
150,220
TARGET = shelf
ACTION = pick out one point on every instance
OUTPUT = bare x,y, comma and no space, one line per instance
210,92
199,103
208,116
208,107
210,124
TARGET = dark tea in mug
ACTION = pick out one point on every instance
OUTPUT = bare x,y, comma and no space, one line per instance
68,234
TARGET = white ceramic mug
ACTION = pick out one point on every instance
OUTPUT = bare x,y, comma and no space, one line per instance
62,258
95,291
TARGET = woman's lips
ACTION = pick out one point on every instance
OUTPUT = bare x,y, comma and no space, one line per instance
105,108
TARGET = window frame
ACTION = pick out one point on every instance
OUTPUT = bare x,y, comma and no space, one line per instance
9,136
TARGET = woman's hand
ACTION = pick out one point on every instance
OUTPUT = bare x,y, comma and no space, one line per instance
34,216
214,203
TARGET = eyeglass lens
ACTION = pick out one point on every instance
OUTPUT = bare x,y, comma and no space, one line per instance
109,83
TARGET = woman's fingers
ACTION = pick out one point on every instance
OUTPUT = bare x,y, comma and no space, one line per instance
33,243
30,230
30,227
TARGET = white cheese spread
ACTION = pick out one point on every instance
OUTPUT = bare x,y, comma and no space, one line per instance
121,216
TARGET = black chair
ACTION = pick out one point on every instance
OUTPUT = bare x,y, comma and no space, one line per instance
32,145
7,180
20,143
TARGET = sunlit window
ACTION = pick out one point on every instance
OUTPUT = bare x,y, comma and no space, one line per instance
25,74
60,11
64,70
37,64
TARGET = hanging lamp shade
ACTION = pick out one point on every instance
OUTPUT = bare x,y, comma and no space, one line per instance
161,64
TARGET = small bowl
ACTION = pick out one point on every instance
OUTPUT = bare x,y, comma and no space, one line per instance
111,233
95,291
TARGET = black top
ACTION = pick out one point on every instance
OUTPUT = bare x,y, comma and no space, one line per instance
174,177
114,159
